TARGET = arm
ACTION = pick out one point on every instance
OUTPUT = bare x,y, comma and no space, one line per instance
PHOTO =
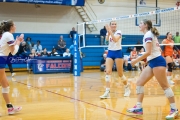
115,38
145,55
14,47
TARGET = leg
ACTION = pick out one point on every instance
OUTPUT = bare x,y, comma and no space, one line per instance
161,78
5,92
126,64
145,76
119,66
109,65
102,40
5,84
169,62
10,68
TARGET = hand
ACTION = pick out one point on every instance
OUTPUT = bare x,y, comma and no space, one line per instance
20,38
108,28
133,62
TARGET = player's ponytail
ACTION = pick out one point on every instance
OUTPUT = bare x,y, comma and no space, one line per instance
5,26
1,28
150,27
155,31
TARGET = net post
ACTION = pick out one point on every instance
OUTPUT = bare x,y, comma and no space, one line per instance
77,67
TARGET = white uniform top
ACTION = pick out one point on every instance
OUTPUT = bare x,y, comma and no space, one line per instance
155,52
6,41
115,45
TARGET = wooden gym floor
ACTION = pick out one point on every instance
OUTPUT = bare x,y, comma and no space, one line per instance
63,97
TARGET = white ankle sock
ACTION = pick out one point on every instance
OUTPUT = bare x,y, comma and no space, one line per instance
107,89
139,105
173,106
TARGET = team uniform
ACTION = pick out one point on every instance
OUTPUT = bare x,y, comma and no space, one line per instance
114,48
115,52
134,54
168,50
155,60
6,40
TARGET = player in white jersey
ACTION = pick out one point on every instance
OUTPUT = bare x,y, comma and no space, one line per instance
7,45
114,54
156,67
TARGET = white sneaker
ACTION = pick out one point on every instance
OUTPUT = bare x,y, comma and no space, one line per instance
105,95
127,91
13,74
14,110
172,115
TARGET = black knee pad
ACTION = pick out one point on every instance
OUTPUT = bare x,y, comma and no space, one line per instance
170,66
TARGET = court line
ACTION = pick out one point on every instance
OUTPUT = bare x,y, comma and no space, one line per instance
80,100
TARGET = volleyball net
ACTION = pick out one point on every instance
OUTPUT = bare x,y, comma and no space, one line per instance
165,20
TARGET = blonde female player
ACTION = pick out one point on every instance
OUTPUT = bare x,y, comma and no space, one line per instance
7,45
156,67
168,54
114,54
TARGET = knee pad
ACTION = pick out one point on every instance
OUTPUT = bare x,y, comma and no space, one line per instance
139,89
5,90
169,93
170,67
108,78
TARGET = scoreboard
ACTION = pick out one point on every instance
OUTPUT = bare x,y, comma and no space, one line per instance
52,2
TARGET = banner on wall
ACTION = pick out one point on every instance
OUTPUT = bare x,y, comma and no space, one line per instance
53,2
48,66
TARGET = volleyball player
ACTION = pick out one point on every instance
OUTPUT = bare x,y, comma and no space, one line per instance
7,45
114,37
156,67
168,54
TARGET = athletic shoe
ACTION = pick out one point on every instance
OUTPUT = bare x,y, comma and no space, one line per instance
105,95
136,110
13,110
13,74
172,115
127,91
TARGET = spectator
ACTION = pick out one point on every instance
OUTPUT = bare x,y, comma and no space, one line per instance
134,55
177,40
142,2
44,53
142,63
126,58
103,63
10,66
54,53
71,34
176,58
30,62
38,47
67,54
29,44
71,49
61,45
138,47
103,35
22,50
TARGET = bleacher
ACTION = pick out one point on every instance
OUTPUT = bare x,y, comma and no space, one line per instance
92,55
